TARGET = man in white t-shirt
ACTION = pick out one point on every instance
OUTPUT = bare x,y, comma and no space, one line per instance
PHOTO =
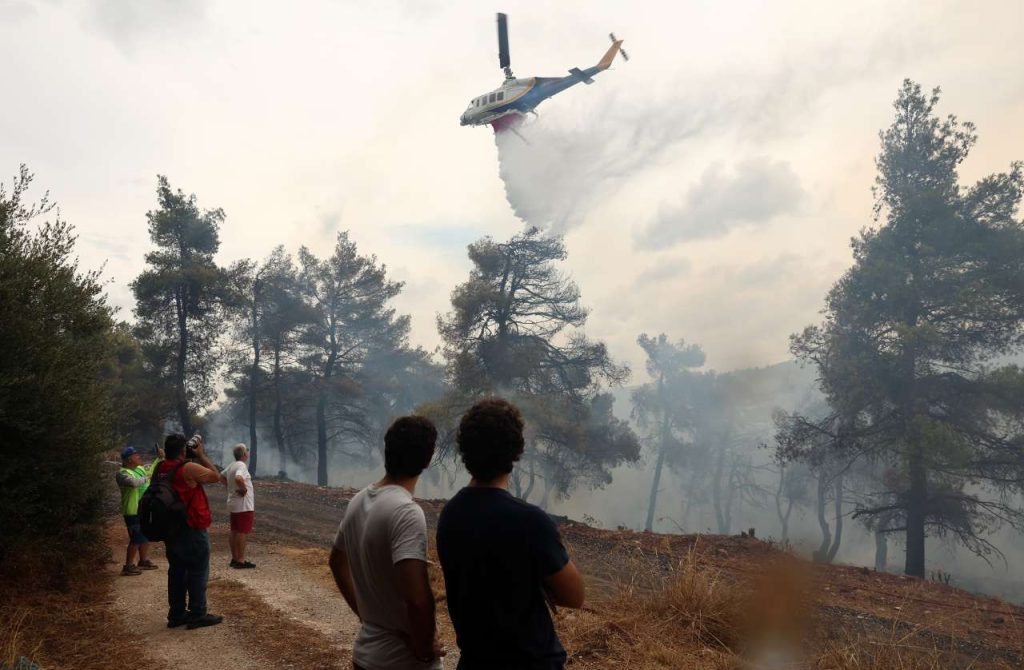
379,559
241,506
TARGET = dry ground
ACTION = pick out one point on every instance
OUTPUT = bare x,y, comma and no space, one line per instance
654,601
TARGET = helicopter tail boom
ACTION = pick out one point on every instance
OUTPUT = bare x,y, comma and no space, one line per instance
609,55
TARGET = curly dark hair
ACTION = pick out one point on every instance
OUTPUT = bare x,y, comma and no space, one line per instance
490,438
409,446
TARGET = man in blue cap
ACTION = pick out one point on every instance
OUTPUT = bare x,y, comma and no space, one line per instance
133,480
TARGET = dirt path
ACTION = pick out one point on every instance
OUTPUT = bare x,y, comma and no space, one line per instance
284,613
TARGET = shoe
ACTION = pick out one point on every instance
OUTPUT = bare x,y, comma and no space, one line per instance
248,565
174,623
130,571
204,621
236,564
147,565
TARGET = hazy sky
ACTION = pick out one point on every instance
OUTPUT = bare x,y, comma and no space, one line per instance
708,187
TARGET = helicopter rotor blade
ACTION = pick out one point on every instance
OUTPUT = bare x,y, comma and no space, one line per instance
625,56
504,61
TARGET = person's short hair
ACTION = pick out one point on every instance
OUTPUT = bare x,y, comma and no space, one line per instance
174,446
409,446
239,451
490,438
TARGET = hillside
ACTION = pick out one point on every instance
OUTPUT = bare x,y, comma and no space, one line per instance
655,601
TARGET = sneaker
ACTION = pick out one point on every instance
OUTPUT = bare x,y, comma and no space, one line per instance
147,565
130,571
204,621
248,565
174,623
236,564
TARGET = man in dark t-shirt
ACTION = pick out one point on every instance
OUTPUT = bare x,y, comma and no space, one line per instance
502,558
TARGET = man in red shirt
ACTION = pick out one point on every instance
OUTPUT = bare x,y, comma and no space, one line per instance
188,551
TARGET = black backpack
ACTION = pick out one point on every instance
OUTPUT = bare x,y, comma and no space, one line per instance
162,512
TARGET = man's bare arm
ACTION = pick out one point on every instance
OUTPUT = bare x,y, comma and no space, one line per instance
343,577
203,472
414,587
566,587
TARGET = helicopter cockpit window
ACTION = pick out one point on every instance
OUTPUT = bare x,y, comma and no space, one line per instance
491,98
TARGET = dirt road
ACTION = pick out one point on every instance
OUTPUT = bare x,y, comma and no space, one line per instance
285,613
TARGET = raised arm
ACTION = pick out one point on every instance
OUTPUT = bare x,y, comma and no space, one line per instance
203,472
125,478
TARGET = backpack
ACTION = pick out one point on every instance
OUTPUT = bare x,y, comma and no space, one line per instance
162,512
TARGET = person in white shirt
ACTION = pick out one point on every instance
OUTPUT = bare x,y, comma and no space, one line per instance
241,506
379,559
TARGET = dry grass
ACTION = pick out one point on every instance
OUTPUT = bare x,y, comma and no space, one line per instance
13,643
699,617
692,618
273,635
62,616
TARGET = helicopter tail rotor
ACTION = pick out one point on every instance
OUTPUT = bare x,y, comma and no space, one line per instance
625,56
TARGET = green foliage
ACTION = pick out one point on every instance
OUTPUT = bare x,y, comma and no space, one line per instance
914,332
179,300
55,401
349,295
514,330
141,403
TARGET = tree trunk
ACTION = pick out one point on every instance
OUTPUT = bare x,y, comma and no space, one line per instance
321,410
783,516
653,499
838,537
821,554
253,376
181,395
881,550
321,438
533,477
548,485
716,494
917,502
278,427
687,498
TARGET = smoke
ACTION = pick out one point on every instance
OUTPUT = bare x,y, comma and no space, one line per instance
554,175
557,171
759,191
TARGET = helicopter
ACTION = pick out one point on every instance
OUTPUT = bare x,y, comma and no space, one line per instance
506,107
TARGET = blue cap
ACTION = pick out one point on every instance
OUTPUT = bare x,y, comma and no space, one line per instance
127,453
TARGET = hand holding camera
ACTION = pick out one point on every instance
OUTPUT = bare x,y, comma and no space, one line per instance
194,447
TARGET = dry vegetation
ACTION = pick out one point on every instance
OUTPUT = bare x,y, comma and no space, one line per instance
272,635
698,616
654,602
62,616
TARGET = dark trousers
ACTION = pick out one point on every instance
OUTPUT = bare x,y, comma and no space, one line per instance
188,569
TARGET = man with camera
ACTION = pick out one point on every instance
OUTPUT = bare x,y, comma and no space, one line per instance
188,551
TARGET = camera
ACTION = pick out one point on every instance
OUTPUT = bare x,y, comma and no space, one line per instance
190,446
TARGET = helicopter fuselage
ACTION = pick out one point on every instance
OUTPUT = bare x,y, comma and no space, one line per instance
517,96
506,105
